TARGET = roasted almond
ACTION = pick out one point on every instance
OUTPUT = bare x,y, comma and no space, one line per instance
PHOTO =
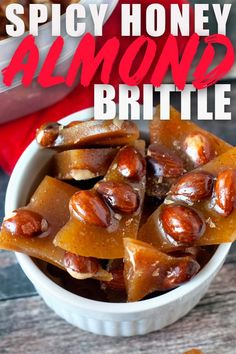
25,223
47,134
120,196
131,163
181,273
225,192
90,208
182,223
163,162
193,187
117,283
199,148
80,267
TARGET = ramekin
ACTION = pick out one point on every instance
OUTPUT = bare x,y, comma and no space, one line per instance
110,319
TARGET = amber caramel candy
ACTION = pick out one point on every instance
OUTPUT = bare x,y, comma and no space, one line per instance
184,141
87,134
51,200
219,228
146,269
176,134
49,209
95,229
82,164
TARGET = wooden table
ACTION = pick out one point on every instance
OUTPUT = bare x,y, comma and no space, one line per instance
28,326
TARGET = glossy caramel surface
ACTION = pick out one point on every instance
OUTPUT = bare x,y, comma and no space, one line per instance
92,241
146,269
96,133
218,229
51,200
82,164
172,133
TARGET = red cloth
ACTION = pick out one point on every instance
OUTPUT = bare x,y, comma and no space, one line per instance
16,135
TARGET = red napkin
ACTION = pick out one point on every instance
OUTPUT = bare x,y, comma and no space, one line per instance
16,135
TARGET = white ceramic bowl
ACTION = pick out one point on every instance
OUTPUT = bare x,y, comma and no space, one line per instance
94,316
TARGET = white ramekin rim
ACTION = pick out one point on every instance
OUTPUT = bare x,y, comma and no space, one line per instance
40,280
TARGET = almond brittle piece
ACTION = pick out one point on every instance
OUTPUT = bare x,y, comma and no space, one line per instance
199,210
177,146
82,268
87,134
194,145
48,206
82,164
146,269
31,230
102,217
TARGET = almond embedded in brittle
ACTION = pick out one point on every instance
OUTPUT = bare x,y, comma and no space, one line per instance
26,223
83,233
90,208
81,268
146,269
87,134
193,187
48,133
188,146
82,164
130,163
120,196
182,223
31,230
225,192
214,218
199,148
